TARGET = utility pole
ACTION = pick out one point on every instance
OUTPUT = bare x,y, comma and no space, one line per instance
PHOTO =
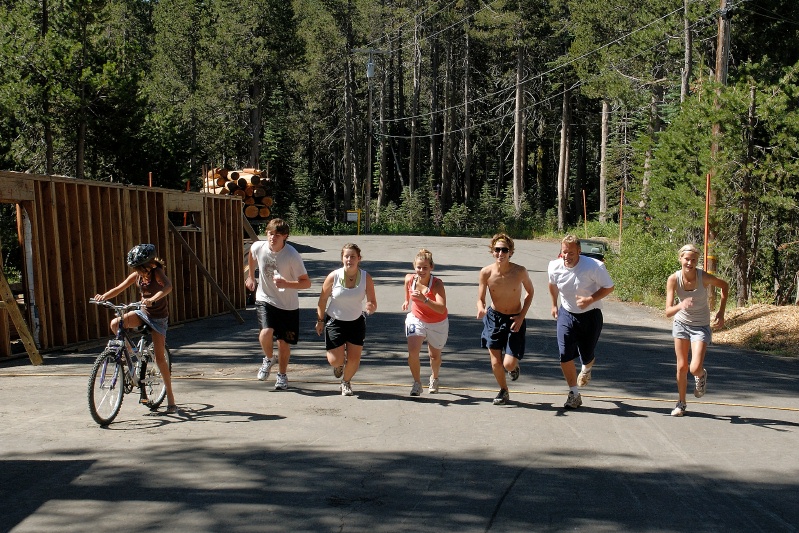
367,194
722,57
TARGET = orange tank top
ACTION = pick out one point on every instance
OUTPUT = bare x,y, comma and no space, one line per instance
421,310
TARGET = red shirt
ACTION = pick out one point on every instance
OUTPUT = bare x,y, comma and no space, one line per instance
421,310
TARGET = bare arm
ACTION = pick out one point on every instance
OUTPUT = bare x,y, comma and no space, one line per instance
553,295
585,301
249,282
130,280
710,279
482,287
166,287
371,297
321,305
671,288
527,283
303,282
408,279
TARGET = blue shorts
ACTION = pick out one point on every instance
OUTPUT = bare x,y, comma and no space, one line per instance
158,325
578,334
692,333
284,322
340,332
498,336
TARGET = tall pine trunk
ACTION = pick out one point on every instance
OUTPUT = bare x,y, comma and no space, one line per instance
518,136
563,163
603,162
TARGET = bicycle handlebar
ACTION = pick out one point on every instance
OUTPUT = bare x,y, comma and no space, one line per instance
119,308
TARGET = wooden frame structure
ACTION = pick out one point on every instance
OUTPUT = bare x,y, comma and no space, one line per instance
75,233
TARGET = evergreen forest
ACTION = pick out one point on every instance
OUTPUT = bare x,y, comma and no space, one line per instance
445,117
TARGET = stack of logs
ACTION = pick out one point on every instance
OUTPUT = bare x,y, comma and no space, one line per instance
250,184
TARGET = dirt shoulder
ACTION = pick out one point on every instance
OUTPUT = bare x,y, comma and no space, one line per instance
767,328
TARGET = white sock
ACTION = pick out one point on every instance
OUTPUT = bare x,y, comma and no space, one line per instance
575,390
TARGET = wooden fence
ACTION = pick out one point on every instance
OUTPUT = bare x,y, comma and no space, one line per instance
75,235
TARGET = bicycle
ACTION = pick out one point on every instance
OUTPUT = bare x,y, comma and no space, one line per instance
124,364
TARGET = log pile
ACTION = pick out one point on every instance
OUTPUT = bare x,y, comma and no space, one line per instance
252,185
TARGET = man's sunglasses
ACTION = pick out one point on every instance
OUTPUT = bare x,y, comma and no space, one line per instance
503,250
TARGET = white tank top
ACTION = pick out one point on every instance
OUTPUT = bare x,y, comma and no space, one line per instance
699,313
347,304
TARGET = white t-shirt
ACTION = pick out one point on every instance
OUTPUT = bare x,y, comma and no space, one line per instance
288,264
584,279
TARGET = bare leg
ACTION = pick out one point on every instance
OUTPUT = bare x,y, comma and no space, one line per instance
435,360
414,347
159,343
681,349
498,368
353,361
283,355
570,373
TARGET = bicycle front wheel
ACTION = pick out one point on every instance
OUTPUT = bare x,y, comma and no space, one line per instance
106,388
154,386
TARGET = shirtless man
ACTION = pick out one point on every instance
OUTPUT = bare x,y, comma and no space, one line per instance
504,322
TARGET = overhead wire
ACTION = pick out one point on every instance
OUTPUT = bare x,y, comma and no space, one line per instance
541,75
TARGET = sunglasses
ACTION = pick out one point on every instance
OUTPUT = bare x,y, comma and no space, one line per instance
502,250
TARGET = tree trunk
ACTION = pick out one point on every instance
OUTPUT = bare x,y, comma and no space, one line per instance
413,149
382,188
742,247
349,168
518,135
603,162
563,164
467,137
255,124
447,150
687,60
434,130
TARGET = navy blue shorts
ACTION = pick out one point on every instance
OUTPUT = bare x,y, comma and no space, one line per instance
578,334
284,322
341,332
498,336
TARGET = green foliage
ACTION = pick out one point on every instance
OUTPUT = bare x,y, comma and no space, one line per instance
642,267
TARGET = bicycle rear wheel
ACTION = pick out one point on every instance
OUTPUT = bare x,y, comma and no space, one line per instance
106,388
154,386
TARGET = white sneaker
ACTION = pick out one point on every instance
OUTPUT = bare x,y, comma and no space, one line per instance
416,390
679,410
346,388
573,401
433,387
584,377
700,384
266,367
282,382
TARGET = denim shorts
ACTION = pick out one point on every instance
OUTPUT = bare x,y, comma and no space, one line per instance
159,325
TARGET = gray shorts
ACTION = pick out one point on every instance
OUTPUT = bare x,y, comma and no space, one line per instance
692,333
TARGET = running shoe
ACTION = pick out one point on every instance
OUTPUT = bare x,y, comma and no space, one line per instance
502,397
585,377
346,388
266,368
416,390
700,385
433,387
338,371
514,374
573,401
679,410
282,382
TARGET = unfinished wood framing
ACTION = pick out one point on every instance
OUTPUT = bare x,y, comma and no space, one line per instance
80,231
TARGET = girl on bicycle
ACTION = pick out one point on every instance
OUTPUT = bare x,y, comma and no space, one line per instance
154,285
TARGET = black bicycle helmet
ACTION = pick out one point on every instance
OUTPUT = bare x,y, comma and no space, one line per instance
141,254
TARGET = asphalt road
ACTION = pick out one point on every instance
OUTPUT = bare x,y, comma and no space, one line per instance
240,456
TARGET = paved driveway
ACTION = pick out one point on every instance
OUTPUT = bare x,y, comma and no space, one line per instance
243,457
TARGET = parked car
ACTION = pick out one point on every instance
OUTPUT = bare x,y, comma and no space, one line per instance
593,248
